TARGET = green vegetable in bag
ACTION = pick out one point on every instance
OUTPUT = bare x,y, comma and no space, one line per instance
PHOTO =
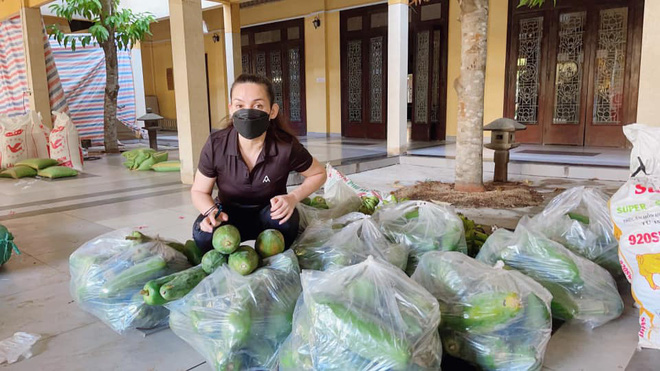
6,245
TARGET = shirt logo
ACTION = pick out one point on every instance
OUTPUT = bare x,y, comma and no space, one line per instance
266,179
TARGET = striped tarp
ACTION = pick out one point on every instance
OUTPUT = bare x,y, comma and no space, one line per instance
83,78
13,71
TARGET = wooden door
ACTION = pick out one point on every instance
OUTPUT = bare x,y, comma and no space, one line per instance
428,47
363,34
277,51
573,71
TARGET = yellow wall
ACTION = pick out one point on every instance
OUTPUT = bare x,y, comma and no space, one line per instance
315,75
333,75
155,76
217,79
648,109
157,58
495,67
9,8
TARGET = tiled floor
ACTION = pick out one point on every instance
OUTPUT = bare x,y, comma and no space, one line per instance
50,219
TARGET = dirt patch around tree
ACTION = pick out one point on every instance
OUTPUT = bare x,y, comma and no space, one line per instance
497,195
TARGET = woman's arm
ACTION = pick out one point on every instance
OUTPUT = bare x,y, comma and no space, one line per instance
282,207
314,178
203,201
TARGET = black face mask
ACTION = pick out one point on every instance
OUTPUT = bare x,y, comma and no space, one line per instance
251,123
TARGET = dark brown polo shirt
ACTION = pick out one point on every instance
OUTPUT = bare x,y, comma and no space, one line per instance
221,159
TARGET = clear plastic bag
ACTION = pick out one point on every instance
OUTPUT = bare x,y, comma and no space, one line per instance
7,245
108,272
339,196
369,316
579,219
581,290
635,209
495,318
422,226
17,346
239,322
345,241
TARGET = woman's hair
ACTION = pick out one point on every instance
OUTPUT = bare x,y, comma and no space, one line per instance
279,128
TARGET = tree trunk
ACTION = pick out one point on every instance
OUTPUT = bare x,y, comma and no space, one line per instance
470,89
111,86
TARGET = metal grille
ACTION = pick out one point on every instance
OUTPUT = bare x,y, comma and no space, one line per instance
422,78
169,124
294,85
245,63
354,56
276,75
435,78
610,66
376,79
261,64
527,77
570,57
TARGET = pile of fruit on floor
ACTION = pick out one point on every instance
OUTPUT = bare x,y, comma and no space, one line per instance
371,282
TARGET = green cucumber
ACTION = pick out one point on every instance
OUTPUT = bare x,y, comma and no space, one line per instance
537,316
192,252
138,274
182,284
579,217
151,292
484,311
236,329
366,338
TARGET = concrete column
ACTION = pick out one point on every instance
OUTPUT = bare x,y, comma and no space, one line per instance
397,73
232,42
192,112
138,82
35,63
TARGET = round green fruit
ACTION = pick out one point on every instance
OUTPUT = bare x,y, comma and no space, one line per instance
226,239
269,242
244,260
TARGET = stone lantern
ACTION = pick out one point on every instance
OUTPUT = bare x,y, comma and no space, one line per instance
152,124
502,139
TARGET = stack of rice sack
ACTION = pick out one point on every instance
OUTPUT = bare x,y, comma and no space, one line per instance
29,149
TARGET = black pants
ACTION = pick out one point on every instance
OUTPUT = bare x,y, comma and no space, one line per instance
250,221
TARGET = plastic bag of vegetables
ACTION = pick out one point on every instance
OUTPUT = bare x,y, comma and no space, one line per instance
495,318
369,316
422,226
7,245
108,273
581,290
579,219
238,322
345,241
339,200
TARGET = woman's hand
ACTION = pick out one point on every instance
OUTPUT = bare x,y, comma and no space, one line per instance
211,221
282,207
